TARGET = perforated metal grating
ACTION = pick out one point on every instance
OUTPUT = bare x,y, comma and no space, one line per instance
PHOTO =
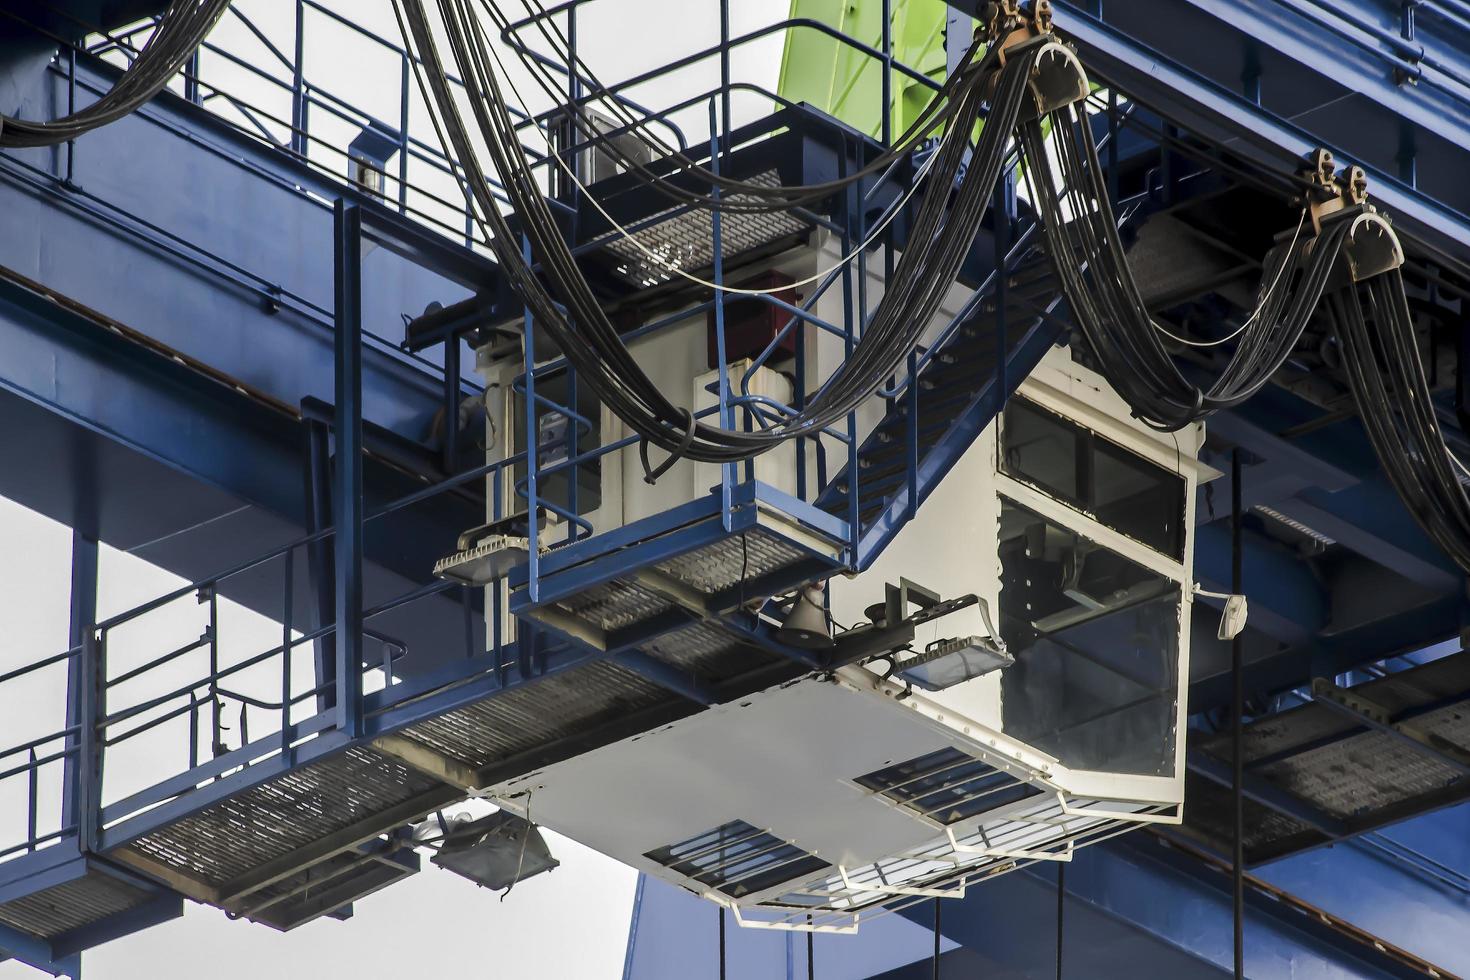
71,905
685,241
1342,768
707,651
946,786
613,605
536,713
721,565
237,835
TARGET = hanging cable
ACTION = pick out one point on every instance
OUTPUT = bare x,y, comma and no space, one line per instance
1061,911
1108,306
1385,372
753,197
942,233
181,29
662,262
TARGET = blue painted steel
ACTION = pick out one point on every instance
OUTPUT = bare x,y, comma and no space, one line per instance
1133,908
1170,55
87,787
83,617
347,492
63,865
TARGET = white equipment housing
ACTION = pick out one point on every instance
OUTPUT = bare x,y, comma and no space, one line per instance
812,804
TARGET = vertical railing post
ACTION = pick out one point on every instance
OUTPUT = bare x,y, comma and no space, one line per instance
403,109
1004,196
86,790
298,84
191,79
533,455
71,108
288,603
319,569
725,73
347,491
727,411
83,615
32,778
450,454
216,727
888,106
849,328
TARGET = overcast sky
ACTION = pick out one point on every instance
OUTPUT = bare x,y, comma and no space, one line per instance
570,923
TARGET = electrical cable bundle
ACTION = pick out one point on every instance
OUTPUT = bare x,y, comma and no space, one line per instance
1380,356
943,231
754,197
1371,320
1108,306
180,31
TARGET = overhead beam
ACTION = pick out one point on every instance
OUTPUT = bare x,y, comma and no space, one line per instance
1165,81
1255,788
1373,715
1286,599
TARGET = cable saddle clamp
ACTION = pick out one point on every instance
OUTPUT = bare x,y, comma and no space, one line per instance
1057,79
1372,247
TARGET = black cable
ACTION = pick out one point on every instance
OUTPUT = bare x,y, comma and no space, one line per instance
1061,910
811,956
1386,375
1237,728
181,29
580,327
755,198
936,939
1106,303
722,942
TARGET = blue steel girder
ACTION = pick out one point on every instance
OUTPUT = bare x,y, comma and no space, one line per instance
1175,898
129,445
262,287
1262,100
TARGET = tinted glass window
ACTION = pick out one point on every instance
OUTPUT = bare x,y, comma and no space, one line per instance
1100,478
1096,642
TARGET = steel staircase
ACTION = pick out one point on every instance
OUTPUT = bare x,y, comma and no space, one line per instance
960,390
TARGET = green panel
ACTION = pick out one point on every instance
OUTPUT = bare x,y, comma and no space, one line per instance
839,79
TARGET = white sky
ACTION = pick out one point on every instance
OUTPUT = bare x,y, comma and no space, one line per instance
434,924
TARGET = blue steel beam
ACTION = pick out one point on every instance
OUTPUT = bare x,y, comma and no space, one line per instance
264,288
1189,76
1287,600
347,492
127,444
1344,494
1134,907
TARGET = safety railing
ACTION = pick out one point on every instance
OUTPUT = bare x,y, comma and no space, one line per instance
35,809
165,695
207,698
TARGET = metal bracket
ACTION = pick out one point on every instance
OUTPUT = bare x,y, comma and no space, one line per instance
1020,854
785,926
918,891
1372,247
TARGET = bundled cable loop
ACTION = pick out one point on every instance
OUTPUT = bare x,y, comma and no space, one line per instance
182,28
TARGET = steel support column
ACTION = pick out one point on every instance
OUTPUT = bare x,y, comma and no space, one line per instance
347,493
83,618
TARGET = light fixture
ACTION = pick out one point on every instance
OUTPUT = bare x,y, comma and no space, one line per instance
496,851
1232,617
806,625
954,661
